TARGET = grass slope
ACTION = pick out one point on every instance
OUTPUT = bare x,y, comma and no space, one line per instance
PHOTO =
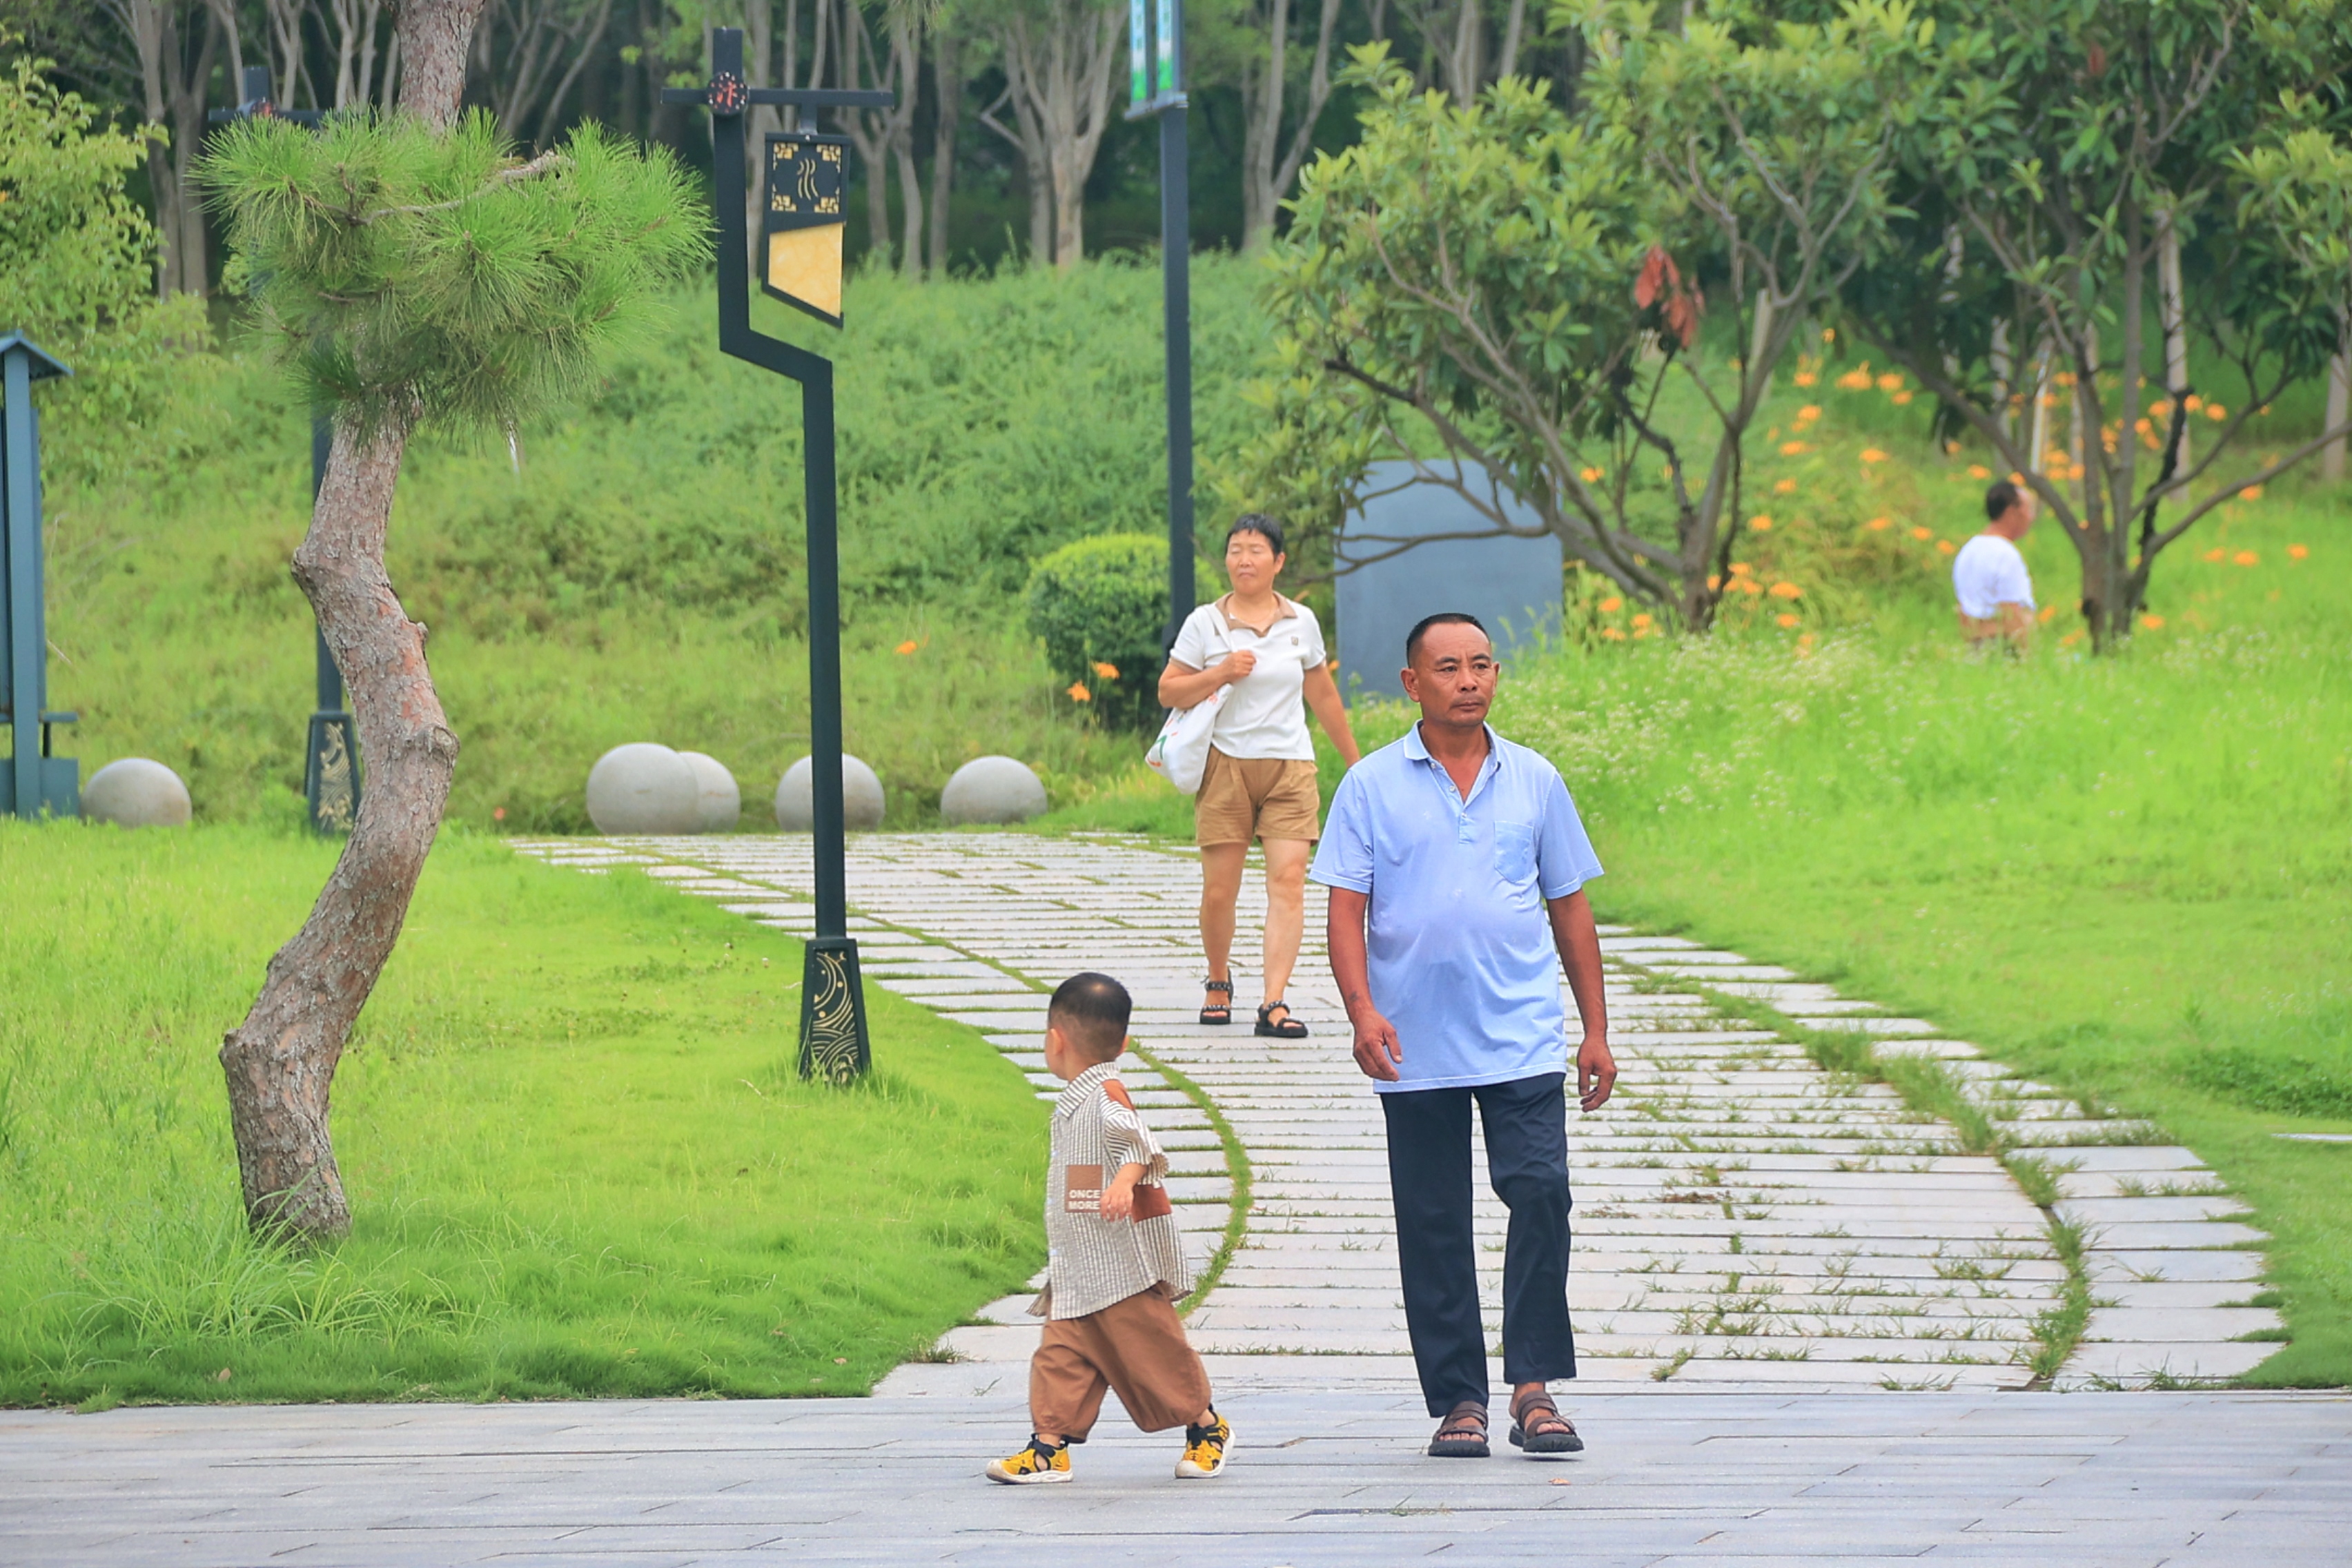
579,1158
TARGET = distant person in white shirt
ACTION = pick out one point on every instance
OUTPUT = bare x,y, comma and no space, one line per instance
1989,576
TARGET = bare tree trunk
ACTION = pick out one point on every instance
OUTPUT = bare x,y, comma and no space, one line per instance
1027,136
1264,179
280,1062
2339,406
2173,311
1061,71
189,250
947,85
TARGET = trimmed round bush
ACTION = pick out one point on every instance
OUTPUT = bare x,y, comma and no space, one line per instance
136,792
861,796
1101,605
992,789
719,804
644,788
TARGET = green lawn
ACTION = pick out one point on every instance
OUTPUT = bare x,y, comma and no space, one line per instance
579,1158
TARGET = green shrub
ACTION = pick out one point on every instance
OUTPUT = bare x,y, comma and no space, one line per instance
1102,603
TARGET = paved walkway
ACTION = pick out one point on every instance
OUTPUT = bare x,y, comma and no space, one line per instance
1761,1248
1743,1217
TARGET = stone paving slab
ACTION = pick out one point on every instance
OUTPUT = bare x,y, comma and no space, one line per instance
1731,1185
1806,1474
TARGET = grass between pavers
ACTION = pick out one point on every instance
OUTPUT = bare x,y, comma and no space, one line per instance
580,1157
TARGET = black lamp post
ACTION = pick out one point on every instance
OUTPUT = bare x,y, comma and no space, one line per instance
330,756
1156,77
801,224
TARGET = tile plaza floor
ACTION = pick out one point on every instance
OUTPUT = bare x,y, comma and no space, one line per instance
1803,1317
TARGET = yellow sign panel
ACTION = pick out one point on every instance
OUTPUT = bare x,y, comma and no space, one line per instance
803,219
804,266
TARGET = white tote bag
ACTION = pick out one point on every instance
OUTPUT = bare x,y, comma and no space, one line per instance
1180,754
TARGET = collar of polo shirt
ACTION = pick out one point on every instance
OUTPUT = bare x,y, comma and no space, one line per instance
1289,612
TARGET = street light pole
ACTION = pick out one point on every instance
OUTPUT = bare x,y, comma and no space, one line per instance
801,265
1157,89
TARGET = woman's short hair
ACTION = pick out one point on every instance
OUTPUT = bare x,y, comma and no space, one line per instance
1257,523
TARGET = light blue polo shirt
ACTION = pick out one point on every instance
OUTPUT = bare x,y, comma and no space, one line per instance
1462,957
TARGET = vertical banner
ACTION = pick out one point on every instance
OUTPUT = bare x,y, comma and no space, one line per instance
1167,87
1138,52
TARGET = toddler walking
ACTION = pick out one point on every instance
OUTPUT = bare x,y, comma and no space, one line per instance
1116,1264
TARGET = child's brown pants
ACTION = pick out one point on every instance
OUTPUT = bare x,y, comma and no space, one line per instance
1136,1346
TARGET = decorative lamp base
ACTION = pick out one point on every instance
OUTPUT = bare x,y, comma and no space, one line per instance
833,1043
330,775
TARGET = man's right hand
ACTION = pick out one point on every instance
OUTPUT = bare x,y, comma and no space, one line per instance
1237,666
1377,1048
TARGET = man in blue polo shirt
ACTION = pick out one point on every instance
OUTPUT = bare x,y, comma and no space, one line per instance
1456,865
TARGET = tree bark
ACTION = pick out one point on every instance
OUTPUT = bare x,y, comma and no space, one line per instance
946,85
1264,179
280,1062
2339,407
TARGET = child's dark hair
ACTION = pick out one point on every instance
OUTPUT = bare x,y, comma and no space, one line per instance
1091,1011
1257,523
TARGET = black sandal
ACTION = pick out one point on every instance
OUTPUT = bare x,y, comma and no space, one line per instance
1224,1015
1289,1028
1463,1434
1536,1411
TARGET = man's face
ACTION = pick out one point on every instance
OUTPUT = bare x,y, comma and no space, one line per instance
1452,676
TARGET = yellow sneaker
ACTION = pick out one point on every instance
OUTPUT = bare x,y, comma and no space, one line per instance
1206,1449
1033,1465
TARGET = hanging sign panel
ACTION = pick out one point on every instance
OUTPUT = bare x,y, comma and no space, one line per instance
802,221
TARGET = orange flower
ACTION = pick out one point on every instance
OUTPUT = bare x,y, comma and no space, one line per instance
1786,591
1794,449
1805,643
1079,692
1785,619
1829,334
2246,558
1890,381
1809,413
1805,378
2192,403
2070,639
1785,488
1643,623
1946,547
2162,408
1739,568
1856,380
2152,623
1589,475
1750,586
2047,614
2298,552
2217,553
1923,534
1879,524
1611,604
1713,581
1979,471
2216,413
1760,523
1899,399
1108,671
1613,634
1873,455
907,646
2251,492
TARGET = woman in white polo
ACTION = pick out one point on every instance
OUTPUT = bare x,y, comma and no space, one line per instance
1260,780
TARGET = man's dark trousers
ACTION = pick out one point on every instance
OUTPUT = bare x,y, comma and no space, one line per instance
1429,1178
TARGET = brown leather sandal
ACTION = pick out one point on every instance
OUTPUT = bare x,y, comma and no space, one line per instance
1463,1434
1537,1426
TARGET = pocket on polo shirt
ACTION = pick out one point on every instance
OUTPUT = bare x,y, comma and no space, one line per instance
1514,851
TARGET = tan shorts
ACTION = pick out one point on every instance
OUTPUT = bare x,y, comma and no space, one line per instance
1136,1346
1257,797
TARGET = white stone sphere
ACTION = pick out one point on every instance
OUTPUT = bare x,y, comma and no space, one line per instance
992,789
133,791
719,804
644,788
861,797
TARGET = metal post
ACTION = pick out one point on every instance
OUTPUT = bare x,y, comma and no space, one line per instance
834,1039
35,784
1176,314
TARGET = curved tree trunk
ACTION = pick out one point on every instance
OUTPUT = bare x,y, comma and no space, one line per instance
280,1062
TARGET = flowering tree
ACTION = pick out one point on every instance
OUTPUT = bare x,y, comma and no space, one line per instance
409,272
2050,179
